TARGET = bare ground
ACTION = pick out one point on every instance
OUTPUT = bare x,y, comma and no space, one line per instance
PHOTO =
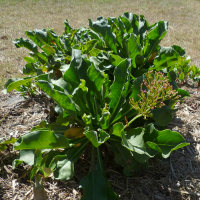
176,178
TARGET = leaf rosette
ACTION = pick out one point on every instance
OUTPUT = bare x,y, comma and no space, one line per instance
96,78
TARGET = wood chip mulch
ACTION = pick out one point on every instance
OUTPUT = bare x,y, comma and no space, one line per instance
175,178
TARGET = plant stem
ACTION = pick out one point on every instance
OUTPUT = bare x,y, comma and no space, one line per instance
92,166
99,158
132,120
38,189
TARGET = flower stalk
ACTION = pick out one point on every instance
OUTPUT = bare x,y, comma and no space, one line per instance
155,90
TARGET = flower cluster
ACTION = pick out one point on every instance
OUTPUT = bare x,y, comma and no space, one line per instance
154,92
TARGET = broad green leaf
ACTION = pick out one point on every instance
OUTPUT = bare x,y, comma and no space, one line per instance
79,98
133,48
27,156
134,23
87,119
158,30
167,56
115,59
102,27
48,49
30,69
71,74
154,36
37,163
41,139
95,186
169,141
39,37
29,59
162,142
162,116
56,41
125,159
126,19
60,97
117,129
134,141
104,121
64,168
96,76
88,46
172,76
142,25
63,164
121,75
26,43
14,84
41,57
181,76
97,137
116,29
135,87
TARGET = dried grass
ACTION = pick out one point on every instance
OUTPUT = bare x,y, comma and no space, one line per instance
18,16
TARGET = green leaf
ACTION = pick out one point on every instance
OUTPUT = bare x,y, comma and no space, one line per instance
68,28
158,30
104,121
181,76
14,84
133,140
125,159
39,37
71,74
121,75
27,156
183,93
26,43
97,137
63,165
172,76
135,87
3,145
61,98
134,23
162,116
95,186
115,59
133,48
96,76
48,49
41,139
162,142
29,59
154,36
154,146
88,46
169,141
30,69
167,56
64,168
102,27
116,29
117,129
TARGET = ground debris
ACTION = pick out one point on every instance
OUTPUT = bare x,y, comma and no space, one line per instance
176,178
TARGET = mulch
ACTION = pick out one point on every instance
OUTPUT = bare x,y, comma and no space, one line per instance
175,178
